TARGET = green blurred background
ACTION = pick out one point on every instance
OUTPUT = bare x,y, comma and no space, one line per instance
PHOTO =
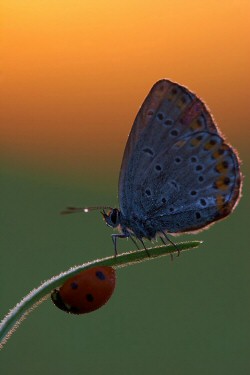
74,76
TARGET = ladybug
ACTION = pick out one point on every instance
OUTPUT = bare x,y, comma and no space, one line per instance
87,291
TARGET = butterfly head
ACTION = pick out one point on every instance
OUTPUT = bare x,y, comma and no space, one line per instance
112,218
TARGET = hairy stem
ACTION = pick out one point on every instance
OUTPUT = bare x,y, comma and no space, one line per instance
13,319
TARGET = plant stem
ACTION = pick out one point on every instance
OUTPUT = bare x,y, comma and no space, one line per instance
13,319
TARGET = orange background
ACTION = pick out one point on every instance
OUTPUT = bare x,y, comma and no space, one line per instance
75,73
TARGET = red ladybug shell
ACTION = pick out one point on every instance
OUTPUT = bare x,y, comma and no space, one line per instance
87,291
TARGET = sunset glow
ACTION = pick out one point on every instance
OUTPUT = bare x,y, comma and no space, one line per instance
75,73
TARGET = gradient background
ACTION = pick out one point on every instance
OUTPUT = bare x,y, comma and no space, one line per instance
73,75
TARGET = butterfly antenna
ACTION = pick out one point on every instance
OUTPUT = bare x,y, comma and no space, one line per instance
72,210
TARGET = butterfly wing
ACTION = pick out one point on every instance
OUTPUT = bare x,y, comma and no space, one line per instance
177,173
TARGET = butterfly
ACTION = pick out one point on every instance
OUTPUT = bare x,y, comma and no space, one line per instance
178,174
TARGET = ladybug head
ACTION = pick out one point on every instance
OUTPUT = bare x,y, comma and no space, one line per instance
112,218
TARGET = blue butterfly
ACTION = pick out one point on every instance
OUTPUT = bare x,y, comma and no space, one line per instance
178,175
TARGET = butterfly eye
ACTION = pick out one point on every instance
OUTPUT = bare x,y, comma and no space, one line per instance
114,216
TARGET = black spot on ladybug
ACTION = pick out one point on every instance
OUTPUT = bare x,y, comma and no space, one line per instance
100,275
74,285
89,297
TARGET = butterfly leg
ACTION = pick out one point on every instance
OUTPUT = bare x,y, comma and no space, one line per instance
143,244
172,243
134,241
114,240
164,242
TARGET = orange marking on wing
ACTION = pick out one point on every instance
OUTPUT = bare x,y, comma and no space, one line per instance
222,167
180,143
195,142
220,200
216,155
196,124
208,146
222,183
